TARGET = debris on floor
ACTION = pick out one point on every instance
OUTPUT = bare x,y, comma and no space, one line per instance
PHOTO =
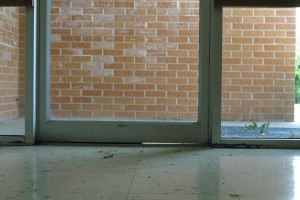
108,155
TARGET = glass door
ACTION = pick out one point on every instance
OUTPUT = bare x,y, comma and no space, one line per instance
120,71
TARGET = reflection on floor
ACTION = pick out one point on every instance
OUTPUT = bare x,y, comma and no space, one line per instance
148,173
14,126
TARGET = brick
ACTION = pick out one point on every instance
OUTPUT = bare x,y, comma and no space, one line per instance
232,88
177,80
254,61
156,53
263,96
284,95
166,101
145,87
123,46
155,108
91,93
253,33
177,108
123,86
263,81
242,54
177,94
113,93
243,12
121,100
103,100
125,115
252,88
253,19
264,26
286,12
264,12
178,39
264,40
134,108
274,75
273,89
274,47
274,61
60,100
231,60
241,81
112,79
81,72
187,74
82,99
112,107
232,102
146,115
252,102
70,92
240,95
167,59
166,87
232,33
123,73
92,106
145,100
134,93
252,75
240,109
264,54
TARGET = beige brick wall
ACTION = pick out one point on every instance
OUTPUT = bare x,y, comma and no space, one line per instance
125,60
258,64
11,66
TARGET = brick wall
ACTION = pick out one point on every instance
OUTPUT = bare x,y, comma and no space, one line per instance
258,64
132,60
11,65
138,60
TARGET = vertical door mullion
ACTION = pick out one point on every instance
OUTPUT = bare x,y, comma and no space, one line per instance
215,72
30,73
204,68
44,61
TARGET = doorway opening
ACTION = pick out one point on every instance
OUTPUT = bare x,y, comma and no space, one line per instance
12,71
259,83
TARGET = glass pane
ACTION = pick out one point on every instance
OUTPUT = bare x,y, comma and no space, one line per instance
124,60
259,70
12,74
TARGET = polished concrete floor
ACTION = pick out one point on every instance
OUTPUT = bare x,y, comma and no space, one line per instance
148,173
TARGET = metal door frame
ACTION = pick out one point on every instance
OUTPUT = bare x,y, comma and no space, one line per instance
121,131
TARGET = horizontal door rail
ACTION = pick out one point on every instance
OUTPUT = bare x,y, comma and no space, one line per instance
16,3
259,3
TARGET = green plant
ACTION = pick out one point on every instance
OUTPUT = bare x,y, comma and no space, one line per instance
261,129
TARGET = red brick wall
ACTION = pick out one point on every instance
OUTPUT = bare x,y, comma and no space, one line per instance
258,64
125,59
11,81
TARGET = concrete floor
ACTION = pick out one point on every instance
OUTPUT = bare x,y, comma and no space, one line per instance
14,126
148,173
